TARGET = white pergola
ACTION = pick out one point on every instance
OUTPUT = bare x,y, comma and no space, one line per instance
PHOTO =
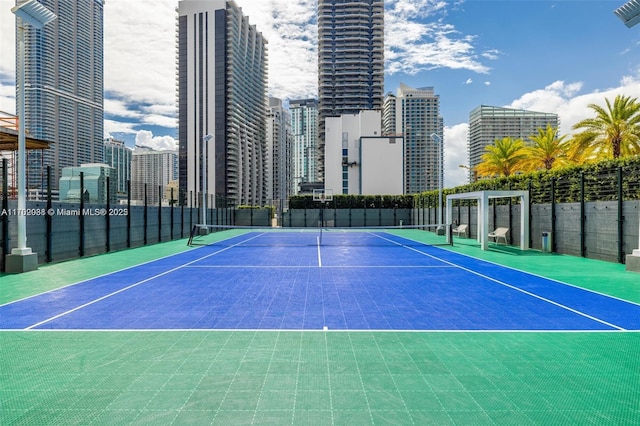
483,198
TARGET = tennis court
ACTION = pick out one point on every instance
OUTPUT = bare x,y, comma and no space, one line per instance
298,327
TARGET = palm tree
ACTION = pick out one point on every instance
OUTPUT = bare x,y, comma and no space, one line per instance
547,150
503,158
614,132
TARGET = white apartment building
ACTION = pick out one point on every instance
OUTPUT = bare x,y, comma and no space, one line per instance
151,172
358,159
488,123
279,159
415,114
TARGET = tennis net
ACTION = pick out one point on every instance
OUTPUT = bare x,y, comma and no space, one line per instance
225,235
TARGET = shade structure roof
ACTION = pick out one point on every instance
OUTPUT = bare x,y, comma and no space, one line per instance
9,141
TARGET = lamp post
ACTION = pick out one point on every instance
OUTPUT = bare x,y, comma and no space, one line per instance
205,166
472,173
22,259
437,139
629,13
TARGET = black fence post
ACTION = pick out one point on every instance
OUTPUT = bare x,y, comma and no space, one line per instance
190,210
5,218
159,213
49,219
530,189
108,218
128,214
171,211
583,228
81,215
180,195
145,215
553,214
621,256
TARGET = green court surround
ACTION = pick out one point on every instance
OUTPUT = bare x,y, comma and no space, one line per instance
321,377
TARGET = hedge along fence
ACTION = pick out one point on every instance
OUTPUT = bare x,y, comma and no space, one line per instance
354,202
608,184
611,180
611,184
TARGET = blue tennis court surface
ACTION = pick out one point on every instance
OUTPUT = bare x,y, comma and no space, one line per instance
350,281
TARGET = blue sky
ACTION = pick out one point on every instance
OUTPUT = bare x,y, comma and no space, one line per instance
551,56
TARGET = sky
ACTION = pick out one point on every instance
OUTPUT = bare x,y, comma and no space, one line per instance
541,55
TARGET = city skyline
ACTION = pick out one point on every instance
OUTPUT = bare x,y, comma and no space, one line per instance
565,55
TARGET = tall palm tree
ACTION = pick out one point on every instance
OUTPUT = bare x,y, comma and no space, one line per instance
547,150
615,130
503,158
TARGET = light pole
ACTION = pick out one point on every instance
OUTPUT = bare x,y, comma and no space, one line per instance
629,13
22,259
472,176
205,166
437,139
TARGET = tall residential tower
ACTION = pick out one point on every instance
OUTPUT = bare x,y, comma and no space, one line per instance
350,59
222,102
304,126
64,88
415,113
488,123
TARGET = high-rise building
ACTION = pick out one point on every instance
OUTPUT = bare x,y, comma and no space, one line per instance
222,102
356,153
279,160
151,172
64,88
304,126
118,156
415,113
488,123
350,59
92,179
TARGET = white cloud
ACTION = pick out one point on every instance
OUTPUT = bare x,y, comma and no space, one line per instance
564,99
160,143
469,81
111,127
7,97
455,154
140,75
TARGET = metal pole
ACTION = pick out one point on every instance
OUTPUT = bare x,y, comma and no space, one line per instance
204,182
22,248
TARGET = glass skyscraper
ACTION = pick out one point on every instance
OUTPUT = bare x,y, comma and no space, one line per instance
222,93
350,59
118,156
64,88
304,126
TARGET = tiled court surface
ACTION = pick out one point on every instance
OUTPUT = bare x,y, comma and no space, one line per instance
309,378
316,377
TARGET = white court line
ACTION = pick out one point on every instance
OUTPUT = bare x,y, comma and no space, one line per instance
560,305
310,330
324,266
77,308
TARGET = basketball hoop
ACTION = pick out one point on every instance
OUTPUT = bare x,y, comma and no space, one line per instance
322,195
